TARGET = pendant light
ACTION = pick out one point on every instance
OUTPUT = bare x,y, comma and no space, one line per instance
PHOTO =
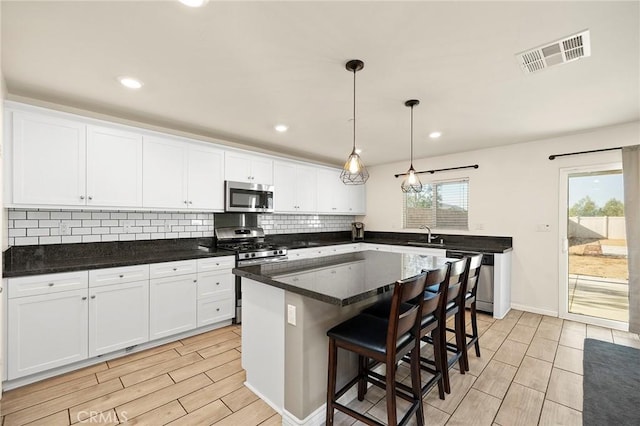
354,172
411,182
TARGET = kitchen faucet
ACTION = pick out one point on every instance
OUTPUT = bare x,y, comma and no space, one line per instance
429,236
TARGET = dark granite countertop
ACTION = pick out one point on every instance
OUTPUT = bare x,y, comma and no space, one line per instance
482,244
341,279
48,259
54,258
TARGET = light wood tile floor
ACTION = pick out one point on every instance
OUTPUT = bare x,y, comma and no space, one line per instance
530,372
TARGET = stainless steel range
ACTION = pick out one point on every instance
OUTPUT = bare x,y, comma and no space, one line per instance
248,244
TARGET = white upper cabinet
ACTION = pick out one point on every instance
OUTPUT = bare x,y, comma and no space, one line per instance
49,160
334,197
295,188
164,174
205,178
181,175
241,167
114,167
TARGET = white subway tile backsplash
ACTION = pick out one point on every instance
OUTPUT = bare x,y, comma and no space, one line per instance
30,227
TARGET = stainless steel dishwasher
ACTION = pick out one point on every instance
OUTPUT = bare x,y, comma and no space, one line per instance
484,295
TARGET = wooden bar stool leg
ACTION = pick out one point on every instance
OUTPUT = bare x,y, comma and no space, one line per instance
461,339
437,358
442,343
416,382
362,374
392,418
331,380
474,325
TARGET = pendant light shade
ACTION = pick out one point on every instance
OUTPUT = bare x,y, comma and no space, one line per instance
411,183
354,172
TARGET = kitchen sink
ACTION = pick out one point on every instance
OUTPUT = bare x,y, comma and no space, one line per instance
425,244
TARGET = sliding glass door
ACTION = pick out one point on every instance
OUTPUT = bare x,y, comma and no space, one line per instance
593,258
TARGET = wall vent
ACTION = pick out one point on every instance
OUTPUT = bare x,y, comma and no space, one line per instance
561,51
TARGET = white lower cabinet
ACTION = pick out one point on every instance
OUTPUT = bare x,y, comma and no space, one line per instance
46,331
172,305
216,290
118,316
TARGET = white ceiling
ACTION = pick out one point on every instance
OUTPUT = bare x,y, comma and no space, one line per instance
233,70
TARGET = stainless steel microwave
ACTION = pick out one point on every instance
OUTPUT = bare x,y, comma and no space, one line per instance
248,197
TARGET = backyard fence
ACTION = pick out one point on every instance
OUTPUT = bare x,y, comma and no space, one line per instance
600,227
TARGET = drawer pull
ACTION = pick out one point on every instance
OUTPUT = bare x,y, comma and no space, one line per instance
175,269
217,283
217,309
93,297
195,281
121,276
217,264
50,284
84,298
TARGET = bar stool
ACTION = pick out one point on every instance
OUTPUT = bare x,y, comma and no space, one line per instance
429,324
453,305
384,341
471,275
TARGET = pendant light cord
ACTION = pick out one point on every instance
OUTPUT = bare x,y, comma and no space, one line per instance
354,110
411,165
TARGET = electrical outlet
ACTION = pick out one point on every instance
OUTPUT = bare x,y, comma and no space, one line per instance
291,314
64,228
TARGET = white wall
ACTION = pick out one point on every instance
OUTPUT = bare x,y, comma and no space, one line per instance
515,188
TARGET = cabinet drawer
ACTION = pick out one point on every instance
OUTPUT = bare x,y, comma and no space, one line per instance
125,274
219,284
46,284
171,269
216,263
213,309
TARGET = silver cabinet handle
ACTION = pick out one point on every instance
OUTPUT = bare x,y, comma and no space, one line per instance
1,289
186,202
93,297
84,298
190,202
195,281
121,276
217,283
50,284
90,197
217,309
175,269
82,197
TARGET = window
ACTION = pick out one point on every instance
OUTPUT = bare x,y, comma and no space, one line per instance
443,205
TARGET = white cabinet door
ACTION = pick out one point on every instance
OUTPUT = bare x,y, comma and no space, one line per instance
206,178
237,167
118,316
246,168
164,173
284,182
49,161
214,309
306,189
46,331
114,167
172,305
356,200
332,193
262,171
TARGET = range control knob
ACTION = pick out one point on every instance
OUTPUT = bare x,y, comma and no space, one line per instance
275,252
253,255
280,251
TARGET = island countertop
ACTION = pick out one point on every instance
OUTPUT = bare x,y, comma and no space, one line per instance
341,279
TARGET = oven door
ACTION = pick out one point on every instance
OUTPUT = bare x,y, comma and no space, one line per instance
248,197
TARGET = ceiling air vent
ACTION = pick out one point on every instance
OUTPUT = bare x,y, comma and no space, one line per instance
558,52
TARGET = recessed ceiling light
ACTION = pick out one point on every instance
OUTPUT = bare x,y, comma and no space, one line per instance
435,135
130,82
194,3
281,128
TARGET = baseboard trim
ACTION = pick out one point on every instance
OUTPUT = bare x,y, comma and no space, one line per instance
317,418
533,310
265,399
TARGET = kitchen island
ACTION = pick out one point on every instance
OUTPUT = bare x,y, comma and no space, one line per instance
288,308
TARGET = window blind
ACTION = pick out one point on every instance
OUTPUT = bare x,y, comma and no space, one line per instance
443,205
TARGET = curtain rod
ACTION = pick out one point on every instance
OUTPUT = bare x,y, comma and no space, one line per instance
475,166
553,157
